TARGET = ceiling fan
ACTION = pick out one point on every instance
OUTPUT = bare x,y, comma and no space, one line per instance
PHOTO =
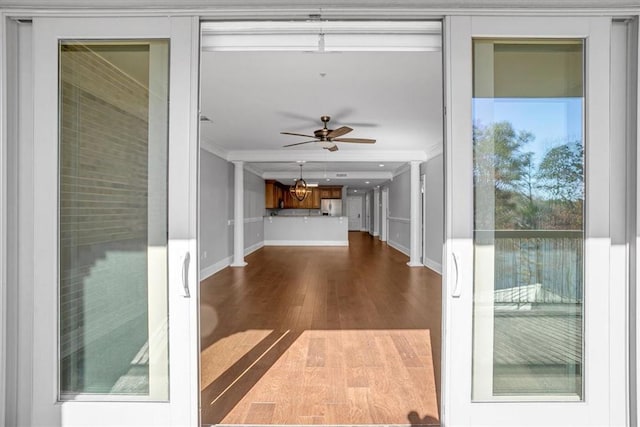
328,137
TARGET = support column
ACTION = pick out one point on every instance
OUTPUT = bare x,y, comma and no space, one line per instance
238,215
414,258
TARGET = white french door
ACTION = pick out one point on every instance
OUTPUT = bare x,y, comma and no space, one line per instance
115,266
534,303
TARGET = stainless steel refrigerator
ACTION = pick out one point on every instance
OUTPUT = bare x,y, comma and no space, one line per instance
331,207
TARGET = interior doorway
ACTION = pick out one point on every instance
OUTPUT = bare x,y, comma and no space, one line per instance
317,335
354,209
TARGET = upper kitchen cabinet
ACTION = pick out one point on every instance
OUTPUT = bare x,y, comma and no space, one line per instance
272,194
275,192
330,192
314,198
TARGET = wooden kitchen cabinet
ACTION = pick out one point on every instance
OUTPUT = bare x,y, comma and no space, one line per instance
330,192
273,193
314,198
312,201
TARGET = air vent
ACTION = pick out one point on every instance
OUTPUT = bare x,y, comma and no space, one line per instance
341,175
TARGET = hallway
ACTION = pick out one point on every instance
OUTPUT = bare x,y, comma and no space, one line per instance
324,335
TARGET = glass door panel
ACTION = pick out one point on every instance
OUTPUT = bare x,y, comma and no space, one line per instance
528,170
530,294
113,218
115,205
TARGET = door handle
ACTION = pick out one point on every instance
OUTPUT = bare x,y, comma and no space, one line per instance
185,274
456,285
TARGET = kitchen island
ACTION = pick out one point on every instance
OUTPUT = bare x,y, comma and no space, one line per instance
310,230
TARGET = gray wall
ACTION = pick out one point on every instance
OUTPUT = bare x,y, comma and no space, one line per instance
216,208
434,215
216,212
254,211
400,212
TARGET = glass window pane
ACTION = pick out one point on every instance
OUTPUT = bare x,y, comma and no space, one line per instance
528,147
113,219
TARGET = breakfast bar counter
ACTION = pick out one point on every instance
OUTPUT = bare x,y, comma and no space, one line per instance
311,230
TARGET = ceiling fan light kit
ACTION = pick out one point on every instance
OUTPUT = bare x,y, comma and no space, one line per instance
328,137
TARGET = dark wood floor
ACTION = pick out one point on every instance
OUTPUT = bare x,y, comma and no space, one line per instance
332,335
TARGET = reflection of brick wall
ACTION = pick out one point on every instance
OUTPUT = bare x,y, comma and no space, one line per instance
104,129
103,220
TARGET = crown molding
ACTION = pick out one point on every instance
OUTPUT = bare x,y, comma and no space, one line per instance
249,168
435,151
402,169
216,151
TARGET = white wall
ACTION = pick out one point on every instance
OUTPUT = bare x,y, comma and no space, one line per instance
400,212
216,213
434,214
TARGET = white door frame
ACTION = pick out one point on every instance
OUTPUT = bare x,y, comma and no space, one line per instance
357,200
184,32
401,10
598,408
423,217
367,214
384,218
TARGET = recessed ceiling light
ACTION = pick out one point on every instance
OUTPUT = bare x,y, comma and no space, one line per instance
355,191
381,165
366,182
328,179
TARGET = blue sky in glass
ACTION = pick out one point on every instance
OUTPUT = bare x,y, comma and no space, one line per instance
553,121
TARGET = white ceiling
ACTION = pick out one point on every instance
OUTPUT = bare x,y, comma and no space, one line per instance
393,97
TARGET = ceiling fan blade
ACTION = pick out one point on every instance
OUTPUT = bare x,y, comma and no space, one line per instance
356,140
339,132
297,134
299,143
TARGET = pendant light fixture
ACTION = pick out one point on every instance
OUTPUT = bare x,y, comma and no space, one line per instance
299,189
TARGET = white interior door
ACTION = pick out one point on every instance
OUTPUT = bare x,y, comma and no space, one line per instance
115,266
531,298
354,208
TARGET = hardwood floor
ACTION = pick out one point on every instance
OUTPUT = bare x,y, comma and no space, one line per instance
331,335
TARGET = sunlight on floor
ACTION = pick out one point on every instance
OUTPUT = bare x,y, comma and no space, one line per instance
223,354
320,376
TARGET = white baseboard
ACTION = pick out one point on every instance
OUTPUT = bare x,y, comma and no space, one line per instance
397,246
251,249
225,262
213,269
306,243
375,234
433,265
